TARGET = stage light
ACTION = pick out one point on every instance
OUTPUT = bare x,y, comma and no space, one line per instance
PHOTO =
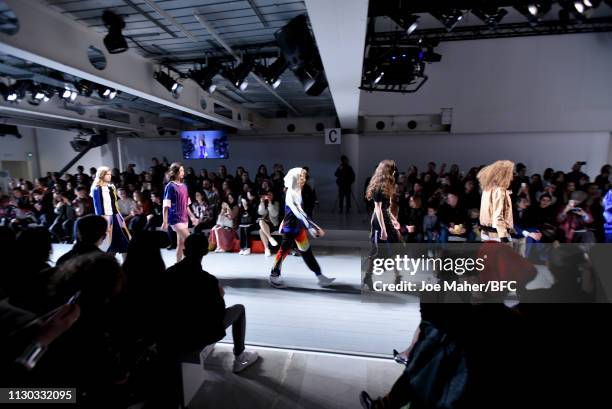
380,77
40,93
579,6
107,93
271,74
490,16
449,18
85,88
114,41
238,75
169,83
204,76
534,11
67,94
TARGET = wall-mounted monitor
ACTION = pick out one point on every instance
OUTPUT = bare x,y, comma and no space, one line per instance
205,145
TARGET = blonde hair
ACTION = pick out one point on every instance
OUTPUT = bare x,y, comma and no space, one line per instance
102,170
497,174
382,179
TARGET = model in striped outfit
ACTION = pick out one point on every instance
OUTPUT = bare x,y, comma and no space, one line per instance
104,196
176,207
293,228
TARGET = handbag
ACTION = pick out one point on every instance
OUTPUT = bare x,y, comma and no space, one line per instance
246,219
437,369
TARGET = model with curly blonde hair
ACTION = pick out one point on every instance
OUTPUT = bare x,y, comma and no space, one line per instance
495,204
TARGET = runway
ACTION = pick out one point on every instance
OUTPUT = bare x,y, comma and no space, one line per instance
305,316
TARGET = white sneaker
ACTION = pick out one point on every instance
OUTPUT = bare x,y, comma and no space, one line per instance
205,352
244,360
277,282
267,253
273,242
324,281
246,252
241,252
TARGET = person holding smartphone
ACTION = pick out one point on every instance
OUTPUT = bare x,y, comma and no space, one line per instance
294,227
575,219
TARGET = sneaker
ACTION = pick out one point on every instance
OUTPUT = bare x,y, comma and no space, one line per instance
273,242
244,360
205,352
277,282
267,252
241,252
325,281
246,252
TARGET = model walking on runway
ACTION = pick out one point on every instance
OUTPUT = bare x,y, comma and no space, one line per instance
293,228
176,211
385,228
104,196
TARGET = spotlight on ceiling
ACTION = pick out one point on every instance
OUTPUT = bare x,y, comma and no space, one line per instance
238,75
204,76
85,88
535,11
490,16
272,74
15,92
114,41
67,94
169,83
107,93
449,18
40,93
408,23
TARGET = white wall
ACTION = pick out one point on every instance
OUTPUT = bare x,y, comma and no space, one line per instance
536,150
528,84
56,152
250,152
13,149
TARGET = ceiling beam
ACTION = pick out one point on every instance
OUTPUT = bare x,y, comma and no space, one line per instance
49,38
259,15
341,42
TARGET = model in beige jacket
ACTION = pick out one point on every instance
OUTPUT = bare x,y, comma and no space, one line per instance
495,202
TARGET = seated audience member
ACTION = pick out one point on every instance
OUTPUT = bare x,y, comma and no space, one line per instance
61,229
248,220
411,220
471,197
138,217
453,218
203,212
89,355
576,174
28,280
23,217
607,204
125,204
197,309
83,203
525,230
603,179
431,225
91,232
575,220
156,218
268,211
223,233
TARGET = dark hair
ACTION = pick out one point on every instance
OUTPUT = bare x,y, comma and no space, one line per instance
35,244
96,275
545,195
520,166
80,188
144,262
196,246
173,171
91,228
605,168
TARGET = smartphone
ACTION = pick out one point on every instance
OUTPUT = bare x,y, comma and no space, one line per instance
75,298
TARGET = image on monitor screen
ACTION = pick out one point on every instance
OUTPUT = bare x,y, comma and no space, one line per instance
204,145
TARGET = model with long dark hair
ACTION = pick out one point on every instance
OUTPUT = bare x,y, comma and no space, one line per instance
384,226
176,207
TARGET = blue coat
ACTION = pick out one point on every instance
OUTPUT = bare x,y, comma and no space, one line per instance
607,205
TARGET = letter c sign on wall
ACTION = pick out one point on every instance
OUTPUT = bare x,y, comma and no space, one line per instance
333,136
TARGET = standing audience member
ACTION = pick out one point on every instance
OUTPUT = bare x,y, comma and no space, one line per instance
345,177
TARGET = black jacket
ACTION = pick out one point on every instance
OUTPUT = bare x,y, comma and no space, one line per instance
195,307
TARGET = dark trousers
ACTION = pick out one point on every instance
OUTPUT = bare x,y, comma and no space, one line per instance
344,194
236,317
301,240
244,233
